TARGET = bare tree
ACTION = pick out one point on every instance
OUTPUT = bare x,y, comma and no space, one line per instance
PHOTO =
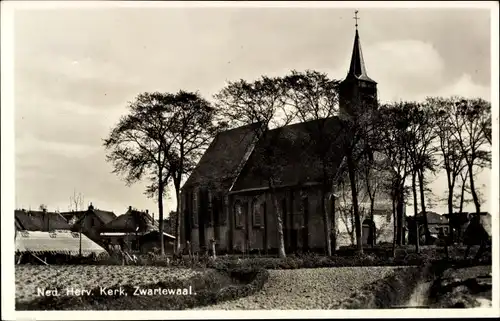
393,143
261,102
421,135
139,144
76,201
452,161
193,125
470,120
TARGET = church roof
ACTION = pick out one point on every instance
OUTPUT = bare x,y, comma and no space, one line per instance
357,68
224,157
294,159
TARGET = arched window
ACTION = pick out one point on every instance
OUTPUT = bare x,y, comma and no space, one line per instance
257,213
238,215
194,210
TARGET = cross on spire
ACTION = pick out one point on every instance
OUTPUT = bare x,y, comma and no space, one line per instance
356,18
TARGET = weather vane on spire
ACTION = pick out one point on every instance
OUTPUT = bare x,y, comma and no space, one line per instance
356,18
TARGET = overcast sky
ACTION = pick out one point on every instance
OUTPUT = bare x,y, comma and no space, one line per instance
75,70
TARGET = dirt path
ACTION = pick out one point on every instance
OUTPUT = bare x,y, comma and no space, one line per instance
306,288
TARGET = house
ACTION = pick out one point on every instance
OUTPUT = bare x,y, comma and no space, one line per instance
134,231
89,222
226,198
435,222
40,221
478,229
459,222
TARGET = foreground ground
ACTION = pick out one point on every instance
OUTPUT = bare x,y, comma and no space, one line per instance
305,289
29,278
466,287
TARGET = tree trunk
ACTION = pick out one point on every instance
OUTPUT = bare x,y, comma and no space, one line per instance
326,223
372,208
177,242
279,222
354,192
422,201
473,190
400,214
160,212
462,198
333,238
415,210
450,207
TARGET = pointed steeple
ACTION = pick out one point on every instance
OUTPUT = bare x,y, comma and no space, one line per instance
357,68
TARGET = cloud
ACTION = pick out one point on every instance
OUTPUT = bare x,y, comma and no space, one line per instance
465,87
411,70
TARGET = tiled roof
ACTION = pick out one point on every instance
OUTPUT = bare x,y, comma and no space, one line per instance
221,162
58,242
434,218
105,216
41,221
131,221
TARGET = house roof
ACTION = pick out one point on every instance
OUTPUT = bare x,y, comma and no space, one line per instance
224,157
434,218
292,151
58,242
104,216
41,221
132,221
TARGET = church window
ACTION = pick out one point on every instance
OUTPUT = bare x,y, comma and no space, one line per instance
258,212
238,215
216,209
195,209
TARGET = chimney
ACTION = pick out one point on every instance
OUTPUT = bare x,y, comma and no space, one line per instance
130,208
46,218
147,211
91,207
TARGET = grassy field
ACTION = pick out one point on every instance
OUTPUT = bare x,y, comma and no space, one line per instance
31,278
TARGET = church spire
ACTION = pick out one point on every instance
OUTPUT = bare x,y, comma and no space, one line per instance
357,68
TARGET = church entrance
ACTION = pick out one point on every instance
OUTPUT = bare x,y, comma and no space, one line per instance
368,235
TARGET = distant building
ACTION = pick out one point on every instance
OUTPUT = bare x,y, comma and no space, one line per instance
40,221
134,231
89,222
436,223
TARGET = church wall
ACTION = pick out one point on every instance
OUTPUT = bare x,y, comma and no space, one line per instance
250,237
316,225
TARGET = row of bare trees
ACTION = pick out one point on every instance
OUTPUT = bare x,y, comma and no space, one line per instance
164,135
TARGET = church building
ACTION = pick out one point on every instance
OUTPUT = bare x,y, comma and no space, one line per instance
226,200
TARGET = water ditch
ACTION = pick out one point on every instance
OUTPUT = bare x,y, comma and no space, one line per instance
437,285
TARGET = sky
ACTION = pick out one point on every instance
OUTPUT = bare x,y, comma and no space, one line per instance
76,69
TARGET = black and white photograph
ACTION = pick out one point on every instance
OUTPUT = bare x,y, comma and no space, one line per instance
249,159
